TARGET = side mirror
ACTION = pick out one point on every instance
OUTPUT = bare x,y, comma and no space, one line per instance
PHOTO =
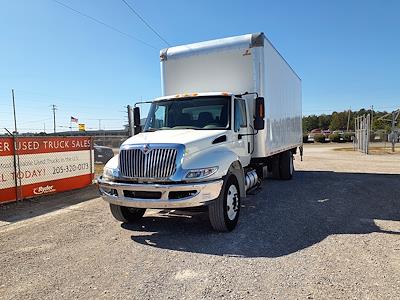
136,121
259,114
136,116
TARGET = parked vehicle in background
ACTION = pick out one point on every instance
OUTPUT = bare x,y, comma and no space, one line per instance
207,141
327,133
380,135
316,130
102,154
340,132
305,138
311,135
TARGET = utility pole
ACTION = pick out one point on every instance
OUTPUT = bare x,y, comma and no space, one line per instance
15,115
99,124
54,108
393,129
348,120
16,156
372,116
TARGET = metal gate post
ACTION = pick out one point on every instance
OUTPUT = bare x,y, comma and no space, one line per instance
91,158
17,170
369,132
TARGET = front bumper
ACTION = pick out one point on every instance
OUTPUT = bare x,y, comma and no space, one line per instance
171,196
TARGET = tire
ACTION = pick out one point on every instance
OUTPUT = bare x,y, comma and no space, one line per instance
126,214
275,167
224,211
286,167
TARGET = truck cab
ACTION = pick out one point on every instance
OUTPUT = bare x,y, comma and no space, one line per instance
205,149
219,117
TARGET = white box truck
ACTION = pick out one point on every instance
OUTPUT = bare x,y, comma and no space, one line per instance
230,109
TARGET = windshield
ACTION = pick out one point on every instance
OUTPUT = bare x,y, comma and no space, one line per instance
189,113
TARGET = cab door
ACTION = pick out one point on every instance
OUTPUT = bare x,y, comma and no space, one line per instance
241,130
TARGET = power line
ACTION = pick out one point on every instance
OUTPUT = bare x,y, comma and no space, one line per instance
145,22
35,121
68,105
104,24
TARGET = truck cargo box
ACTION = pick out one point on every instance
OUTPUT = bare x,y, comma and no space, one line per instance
247,63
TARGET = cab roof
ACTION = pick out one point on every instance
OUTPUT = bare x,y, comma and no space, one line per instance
191,95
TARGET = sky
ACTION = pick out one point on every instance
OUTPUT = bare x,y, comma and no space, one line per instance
346,52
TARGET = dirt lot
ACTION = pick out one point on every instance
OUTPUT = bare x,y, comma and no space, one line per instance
331,232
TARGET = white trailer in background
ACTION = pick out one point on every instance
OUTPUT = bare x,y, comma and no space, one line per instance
231,108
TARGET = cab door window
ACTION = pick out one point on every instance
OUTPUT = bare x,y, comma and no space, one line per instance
240,115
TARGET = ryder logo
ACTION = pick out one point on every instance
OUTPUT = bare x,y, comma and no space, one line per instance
44,190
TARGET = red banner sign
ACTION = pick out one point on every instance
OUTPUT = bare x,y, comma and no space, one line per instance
44,165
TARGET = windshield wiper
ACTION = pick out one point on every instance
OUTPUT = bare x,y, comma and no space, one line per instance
151,130
185,127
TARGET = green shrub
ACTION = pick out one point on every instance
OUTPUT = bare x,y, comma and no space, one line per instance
348,136
336,138
320,138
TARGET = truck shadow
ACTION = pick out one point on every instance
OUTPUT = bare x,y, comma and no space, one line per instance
285,217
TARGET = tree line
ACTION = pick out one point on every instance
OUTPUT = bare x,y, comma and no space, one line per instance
340,120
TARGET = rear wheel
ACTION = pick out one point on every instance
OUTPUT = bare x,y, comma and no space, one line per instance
224,211
127,214
286,167
275,167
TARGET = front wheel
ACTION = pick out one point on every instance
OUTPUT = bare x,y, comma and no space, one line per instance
127,214
224,211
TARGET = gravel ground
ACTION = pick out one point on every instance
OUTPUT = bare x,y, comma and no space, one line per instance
331,232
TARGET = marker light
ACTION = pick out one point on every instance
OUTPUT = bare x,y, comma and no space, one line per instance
261,111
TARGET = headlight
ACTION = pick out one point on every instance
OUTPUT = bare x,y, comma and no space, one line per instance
110,173
201,173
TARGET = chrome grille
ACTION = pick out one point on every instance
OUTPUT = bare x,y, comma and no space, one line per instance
157,163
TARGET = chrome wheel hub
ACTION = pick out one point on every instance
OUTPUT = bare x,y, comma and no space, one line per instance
232,202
